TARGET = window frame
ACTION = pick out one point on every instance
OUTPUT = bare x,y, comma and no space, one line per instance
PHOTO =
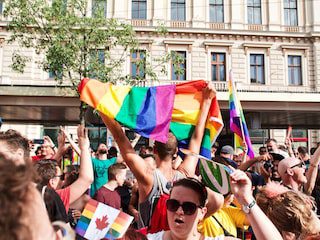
172,73
256,65
218,64
133,60
216,5
139,9
290,83
290,10
178,3
253,7
99,2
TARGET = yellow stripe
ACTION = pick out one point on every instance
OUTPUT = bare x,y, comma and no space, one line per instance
111,102
190,117
117,227
87,214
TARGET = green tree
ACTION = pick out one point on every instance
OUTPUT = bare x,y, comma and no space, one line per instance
75,44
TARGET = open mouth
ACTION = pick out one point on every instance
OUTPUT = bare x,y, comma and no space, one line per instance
179,221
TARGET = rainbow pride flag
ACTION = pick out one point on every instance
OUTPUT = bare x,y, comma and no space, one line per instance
146,110
151,111
100,221
237,121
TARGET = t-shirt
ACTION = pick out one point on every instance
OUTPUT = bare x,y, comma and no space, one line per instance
55,207
65,197
229,217
100,171
159,236
106,196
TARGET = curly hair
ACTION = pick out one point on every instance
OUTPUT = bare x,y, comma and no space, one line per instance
15,182
290,211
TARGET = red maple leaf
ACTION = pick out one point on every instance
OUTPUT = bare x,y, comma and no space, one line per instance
102,223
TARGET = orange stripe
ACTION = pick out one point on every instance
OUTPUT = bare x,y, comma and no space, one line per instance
93,92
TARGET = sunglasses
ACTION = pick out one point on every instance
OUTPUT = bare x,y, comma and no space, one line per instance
300,165
188,208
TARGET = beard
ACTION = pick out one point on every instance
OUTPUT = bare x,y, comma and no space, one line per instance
102,151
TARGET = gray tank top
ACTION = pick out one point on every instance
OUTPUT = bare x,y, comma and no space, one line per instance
146,208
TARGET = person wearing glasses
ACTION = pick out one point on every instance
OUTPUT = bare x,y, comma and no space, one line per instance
294,176
188,205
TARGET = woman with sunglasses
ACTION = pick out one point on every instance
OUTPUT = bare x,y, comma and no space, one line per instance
185,209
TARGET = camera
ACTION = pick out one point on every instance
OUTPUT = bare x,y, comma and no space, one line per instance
38,141
267,165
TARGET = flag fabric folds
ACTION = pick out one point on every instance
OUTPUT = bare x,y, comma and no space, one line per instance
100,221
237,121
151,111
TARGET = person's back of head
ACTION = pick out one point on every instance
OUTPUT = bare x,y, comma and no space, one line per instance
303,151
168,149
14,146
45,170
115,169
112,152
290,211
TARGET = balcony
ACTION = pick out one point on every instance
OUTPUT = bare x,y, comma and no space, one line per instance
178,24
139,22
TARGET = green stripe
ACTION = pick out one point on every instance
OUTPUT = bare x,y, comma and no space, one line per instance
84,219
206,179
131,107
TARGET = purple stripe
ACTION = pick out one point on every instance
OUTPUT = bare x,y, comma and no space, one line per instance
164,105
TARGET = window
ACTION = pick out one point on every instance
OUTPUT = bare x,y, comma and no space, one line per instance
218,67
99,8
1,6
96,63
178,10
257,68
294,70
178,65
138,64
290,13
139,9
254,11
56,75
216,11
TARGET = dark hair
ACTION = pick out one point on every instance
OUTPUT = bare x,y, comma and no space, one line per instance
271,140
15,140
46,170
132,234
166,149
262,149
15,183
112,152
114,169
196,186
302,150
144,156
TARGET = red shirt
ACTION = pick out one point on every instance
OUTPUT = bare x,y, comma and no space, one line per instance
65,197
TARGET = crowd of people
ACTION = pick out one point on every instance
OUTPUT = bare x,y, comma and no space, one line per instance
275,195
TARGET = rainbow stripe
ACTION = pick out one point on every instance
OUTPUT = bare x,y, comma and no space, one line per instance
119,226
151,111
185,115
145,110
86,217
237,121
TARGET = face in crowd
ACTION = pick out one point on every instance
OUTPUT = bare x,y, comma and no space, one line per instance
102,149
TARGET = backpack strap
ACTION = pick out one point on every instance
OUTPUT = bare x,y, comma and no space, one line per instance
225,231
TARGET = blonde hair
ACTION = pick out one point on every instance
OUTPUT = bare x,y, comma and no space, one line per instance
289,211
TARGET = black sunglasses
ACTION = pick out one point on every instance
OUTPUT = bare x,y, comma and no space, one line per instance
300,165
188,208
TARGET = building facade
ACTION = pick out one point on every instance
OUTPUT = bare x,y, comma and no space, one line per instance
271,47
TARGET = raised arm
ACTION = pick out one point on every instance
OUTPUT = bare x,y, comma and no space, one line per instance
312,172
74,146
215,202
247,164
188,166
136,164
86,171
263,228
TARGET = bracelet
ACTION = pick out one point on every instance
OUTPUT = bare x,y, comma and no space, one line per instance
247,208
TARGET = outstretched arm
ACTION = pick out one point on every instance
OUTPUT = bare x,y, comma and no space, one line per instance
86,171
312,172
136,164
189,164
263,228
215,202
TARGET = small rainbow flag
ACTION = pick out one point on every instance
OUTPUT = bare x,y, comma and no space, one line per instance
99,221
237,121
151,111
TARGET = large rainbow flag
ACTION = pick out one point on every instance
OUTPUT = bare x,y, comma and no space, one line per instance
100,221
151,111
237,121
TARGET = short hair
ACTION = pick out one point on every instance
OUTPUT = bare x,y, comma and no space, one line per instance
114,170
195,185
166,149
15,183
45,170
302,150
15,140
271,140
262,149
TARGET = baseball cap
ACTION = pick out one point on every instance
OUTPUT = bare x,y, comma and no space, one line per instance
227,149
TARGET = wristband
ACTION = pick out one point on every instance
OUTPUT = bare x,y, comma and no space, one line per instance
247,208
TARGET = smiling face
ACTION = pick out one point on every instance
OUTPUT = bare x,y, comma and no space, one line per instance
182,225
